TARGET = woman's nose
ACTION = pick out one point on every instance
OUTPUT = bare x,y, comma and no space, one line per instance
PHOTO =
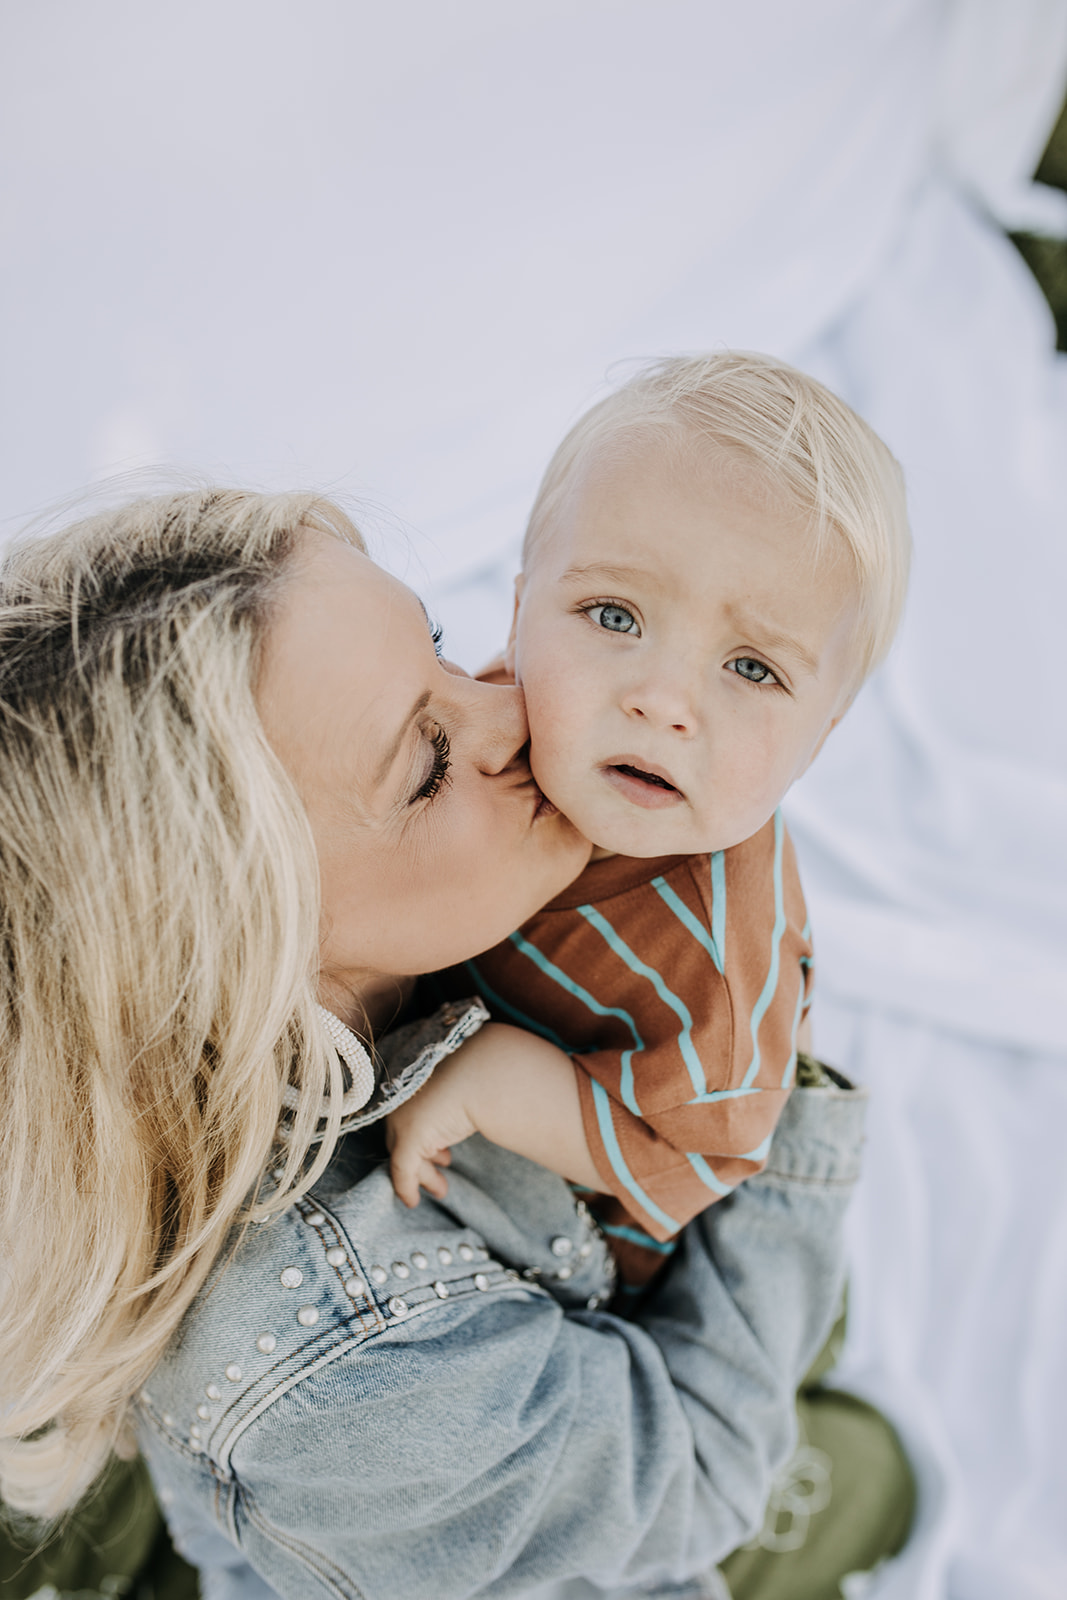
499,726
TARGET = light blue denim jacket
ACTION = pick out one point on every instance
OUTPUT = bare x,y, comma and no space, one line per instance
367,1401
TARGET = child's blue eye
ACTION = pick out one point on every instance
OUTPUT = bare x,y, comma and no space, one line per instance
755,671
617,619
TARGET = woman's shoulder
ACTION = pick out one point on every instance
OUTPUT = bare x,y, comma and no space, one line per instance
350,1266
293,1295
343,1340
300,1420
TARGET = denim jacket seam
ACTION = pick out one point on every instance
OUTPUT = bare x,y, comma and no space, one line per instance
327,1572
331,1345
246,1418
334,1351
829,1180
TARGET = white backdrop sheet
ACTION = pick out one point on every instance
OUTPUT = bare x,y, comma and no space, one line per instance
392,251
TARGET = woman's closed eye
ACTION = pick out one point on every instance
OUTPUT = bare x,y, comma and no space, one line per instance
438,773
753,670
612,616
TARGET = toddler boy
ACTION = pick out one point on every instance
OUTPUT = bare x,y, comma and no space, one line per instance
715,560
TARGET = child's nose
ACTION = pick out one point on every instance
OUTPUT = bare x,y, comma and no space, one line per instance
663,704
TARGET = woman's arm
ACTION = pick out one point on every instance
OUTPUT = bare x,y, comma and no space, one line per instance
497,1442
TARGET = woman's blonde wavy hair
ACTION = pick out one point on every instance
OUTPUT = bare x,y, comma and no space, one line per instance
159,928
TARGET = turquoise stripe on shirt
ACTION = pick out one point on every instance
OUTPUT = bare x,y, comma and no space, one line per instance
688,921
759,1010
602,1103
706,1176
688,1049
520,1018
567,983
663,1247
791,1064
718,905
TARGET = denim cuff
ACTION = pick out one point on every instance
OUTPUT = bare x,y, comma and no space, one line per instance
819,1136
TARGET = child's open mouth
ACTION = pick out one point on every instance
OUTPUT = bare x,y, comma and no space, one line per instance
645,777
644,788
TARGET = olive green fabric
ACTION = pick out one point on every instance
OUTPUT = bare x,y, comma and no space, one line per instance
1047,258
843,1504
112,1545
812,1074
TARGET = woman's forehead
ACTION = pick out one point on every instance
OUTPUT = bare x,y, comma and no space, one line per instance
339,650
336,593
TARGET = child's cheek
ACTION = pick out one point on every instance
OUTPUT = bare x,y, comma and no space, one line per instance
550,717
544,673
556,741
558,687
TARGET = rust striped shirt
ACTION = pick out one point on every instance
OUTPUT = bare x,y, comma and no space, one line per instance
676,985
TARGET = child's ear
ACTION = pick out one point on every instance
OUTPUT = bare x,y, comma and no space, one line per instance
509,653
827,731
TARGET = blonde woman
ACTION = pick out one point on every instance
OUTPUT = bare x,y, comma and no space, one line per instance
242,802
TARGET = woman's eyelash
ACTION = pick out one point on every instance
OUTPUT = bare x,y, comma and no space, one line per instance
437,634
442,751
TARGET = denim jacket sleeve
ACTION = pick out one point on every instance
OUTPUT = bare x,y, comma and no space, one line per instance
370,1402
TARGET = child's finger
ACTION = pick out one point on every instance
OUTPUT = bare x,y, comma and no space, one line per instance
433,1180
407,1168
412,1170
405,1180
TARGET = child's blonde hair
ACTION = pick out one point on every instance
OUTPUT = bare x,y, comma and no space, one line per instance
802,441
159,926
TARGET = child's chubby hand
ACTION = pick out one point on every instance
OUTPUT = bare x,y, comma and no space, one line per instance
516,1089
419,1133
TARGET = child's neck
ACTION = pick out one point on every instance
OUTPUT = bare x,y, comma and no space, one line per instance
602,855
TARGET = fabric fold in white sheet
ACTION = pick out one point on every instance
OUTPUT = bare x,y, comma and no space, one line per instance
958,1297
766,164
434,229
396,250
997,96
930,828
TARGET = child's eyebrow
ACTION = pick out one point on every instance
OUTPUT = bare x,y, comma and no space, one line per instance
603,569
773,639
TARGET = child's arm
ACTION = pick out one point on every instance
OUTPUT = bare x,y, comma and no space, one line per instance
516,1089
